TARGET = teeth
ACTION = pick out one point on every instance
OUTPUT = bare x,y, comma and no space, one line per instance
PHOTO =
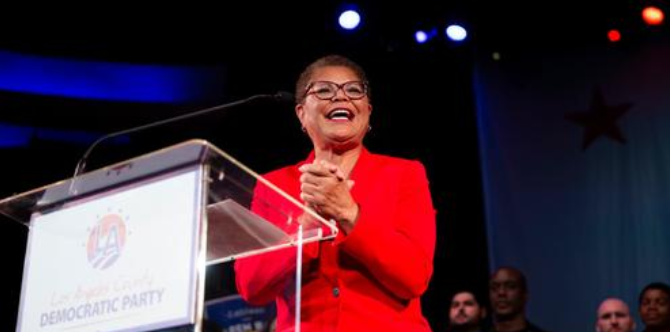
339,114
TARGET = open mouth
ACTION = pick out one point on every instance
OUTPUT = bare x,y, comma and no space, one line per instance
340,114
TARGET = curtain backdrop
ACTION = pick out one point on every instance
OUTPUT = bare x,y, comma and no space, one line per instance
575,151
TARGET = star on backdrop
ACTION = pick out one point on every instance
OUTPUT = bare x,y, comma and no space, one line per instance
600,120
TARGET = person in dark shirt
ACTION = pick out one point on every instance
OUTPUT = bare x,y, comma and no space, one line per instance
508,292
654,308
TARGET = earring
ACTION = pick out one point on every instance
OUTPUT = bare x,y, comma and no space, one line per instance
369,128
304,130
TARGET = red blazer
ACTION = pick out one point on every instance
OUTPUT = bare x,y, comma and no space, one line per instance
368,280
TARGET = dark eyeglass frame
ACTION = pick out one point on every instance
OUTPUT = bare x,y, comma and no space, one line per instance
338,87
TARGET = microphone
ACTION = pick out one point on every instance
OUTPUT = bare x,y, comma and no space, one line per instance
281,96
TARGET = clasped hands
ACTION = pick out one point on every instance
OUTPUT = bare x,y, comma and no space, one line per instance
325,188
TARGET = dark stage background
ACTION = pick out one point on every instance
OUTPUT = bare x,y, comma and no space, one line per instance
424,99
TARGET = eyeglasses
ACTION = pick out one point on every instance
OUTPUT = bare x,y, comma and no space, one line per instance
326,90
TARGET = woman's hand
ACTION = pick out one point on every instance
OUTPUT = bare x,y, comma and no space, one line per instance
325,188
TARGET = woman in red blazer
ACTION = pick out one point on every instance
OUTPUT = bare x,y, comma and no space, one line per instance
371,276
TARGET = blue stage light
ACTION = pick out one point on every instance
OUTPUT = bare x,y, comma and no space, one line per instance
456,32
421,36
349,19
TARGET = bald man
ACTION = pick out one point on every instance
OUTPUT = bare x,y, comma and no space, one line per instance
614,316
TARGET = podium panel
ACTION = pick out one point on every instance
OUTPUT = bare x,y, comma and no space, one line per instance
126,264
125,247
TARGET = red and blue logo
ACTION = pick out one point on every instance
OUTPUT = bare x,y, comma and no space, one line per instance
106,241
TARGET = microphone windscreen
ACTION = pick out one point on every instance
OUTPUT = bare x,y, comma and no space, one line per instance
284,96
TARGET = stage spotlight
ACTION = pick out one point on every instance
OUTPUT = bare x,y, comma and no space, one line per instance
349,19
456,32
652,15
614,35
421,37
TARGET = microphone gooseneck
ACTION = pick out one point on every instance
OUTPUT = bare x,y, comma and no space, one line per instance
280,96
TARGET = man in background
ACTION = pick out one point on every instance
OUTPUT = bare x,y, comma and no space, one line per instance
614,316
466,313
654,304
508,291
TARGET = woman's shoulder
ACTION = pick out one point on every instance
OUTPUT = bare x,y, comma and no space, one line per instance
395,161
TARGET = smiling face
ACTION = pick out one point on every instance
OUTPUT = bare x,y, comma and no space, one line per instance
338,123
655,308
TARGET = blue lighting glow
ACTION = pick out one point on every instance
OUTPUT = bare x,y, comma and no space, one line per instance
104,80
12,136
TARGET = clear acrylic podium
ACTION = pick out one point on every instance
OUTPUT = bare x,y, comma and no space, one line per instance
125,247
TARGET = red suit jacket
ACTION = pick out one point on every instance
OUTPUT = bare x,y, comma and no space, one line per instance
368,280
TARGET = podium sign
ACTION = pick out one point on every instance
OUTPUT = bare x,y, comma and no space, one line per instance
127,263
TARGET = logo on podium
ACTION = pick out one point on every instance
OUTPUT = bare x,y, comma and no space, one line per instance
106,241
